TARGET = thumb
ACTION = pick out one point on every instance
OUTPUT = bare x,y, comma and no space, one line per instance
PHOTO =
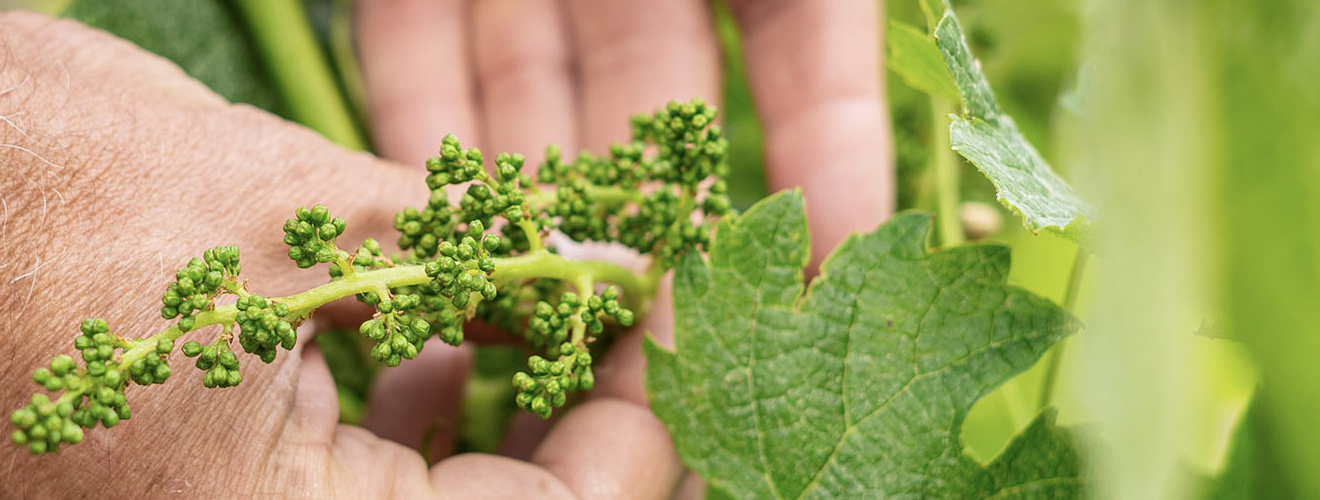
101,205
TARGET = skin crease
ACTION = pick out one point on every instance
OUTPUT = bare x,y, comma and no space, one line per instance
108,147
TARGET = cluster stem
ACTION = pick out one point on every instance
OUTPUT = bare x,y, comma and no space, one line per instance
538,264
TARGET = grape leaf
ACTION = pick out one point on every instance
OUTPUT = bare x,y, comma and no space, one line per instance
204,37
988,138
913,55
858,388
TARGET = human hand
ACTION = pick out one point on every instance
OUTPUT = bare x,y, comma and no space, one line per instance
514,75
117,169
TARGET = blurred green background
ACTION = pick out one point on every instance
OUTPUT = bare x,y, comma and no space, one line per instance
1192,125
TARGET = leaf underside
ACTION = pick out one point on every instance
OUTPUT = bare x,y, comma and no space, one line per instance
858,388
985,136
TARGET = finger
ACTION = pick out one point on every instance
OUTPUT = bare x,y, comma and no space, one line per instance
690,488
523,435
524,69
421,399
629,63
315,412
474,476
814,70
609,449
415,67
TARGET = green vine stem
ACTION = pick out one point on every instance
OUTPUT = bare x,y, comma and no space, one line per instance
947,193
1069,302
298,65
541,264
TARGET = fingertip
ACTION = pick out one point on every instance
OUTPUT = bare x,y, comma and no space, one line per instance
315,411
611,449
421,398
816,72
477,476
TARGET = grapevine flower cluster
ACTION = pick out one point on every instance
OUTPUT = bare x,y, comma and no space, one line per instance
489,256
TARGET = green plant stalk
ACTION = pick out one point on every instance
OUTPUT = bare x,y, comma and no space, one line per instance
947,194
610,195
1069,303
541,264
299,68
345,59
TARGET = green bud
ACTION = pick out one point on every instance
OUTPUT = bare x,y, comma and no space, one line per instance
41,375
161,373
381,351
318,215
105,395
23,418
38,433
191,349
540,407
54,384
72,433
62,365
523,382
421,328
452,336
327,231
371,246
229,360
113,378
